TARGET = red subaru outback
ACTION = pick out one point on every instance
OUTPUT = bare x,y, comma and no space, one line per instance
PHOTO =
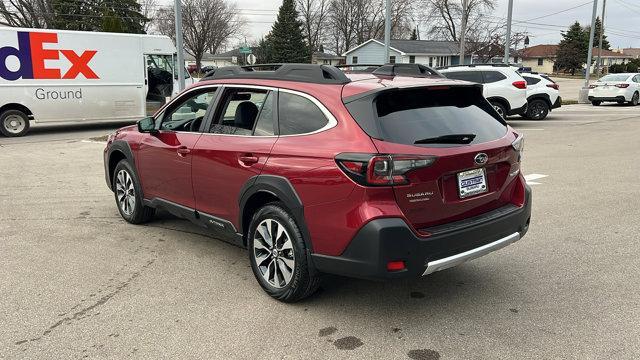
317,171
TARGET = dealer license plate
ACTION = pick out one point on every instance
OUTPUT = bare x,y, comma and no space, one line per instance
472,182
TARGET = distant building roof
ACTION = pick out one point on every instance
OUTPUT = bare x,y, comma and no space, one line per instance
411,47
540,51
635,52
326,56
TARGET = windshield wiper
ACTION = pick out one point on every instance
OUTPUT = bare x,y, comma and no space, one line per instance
448,139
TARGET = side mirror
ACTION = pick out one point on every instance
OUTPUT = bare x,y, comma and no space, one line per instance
147,125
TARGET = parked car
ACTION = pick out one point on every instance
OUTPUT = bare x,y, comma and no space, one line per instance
618,88
316,172
543,95
505,89
207,69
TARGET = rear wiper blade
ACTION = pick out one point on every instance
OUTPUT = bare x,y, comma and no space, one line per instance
448,139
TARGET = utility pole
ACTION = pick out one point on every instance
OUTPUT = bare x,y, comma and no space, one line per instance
507,40
179,45
387,30
583,96
604,6
590,52
463,30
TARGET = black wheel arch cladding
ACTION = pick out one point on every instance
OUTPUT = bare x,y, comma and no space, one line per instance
280,188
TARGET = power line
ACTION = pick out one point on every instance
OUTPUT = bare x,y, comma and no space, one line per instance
557,12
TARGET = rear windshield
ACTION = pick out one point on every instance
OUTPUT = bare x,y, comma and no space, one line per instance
616,77
439,117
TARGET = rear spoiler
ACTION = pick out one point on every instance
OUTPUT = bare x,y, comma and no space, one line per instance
453,83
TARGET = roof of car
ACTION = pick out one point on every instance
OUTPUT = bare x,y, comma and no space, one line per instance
352,83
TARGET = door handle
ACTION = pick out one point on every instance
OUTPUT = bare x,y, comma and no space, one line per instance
248,159
183,151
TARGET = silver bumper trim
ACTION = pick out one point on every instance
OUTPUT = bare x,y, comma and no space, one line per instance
444,263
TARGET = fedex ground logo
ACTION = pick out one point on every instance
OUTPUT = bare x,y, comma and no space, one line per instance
31,55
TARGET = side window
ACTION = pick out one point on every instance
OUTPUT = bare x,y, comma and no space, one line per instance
531,80
473,76
187,114
493,76
636,78
354,59
239,112
265,125
298,115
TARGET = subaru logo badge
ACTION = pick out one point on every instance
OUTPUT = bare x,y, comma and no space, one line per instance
481,158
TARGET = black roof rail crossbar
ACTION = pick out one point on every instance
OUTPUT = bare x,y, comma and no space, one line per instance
410,69
474,65
319,74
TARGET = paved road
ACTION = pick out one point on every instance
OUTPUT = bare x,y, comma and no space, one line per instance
77,281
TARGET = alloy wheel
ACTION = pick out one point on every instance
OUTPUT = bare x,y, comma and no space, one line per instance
125,192
537,110
499,110
635,99
14,124
273,253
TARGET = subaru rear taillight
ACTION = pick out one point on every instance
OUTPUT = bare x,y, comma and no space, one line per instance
622,86
521,84
381,170
554,86
518,145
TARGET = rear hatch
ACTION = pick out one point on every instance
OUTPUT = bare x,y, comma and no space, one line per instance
453,155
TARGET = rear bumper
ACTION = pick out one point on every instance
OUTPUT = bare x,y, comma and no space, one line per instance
615,98
557,104
391,239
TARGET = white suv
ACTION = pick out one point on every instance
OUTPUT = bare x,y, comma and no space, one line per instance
543,95
503,87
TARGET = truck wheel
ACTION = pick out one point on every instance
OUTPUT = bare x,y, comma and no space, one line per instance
14,123
596,102
278,255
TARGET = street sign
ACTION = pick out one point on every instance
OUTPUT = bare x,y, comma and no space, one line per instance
245,50
234,59
251,59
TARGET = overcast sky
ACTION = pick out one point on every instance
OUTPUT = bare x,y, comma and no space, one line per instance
622,15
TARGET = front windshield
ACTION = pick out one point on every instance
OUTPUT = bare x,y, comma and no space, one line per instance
614,77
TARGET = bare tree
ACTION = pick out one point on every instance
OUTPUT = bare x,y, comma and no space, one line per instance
207,25
148,9
354,22
444,16
26,13
314,14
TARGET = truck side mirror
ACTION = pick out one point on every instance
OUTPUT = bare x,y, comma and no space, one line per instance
147,125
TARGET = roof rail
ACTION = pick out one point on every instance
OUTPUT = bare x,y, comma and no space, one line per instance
406,69
474,65
318,74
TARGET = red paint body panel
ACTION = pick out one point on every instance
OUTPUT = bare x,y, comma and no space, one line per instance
162,171
219,173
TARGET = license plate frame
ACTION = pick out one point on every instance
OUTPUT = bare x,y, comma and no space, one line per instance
472,182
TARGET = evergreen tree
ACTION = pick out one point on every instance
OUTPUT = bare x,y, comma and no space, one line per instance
572,50
285,43
98,15
414,35
596,40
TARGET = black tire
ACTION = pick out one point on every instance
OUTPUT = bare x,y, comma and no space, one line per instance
635,99
302,283
538,109
620,102
596,102
14,123
501,109
138,213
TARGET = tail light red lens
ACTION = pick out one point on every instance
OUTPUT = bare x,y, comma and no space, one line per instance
554,86
381,170
622,86
520,84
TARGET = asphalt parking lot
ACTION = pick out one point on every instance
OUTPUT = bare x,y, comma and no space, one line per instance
78,282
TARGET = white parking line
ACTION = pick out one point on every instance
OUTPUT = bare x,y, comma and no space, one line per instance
93,142
529,178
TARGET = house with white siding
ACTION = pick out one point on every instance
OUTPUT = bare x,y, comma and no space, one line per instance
427,52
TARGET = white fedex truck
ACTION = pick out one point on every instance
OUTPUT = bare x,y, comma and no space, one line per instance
49,76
